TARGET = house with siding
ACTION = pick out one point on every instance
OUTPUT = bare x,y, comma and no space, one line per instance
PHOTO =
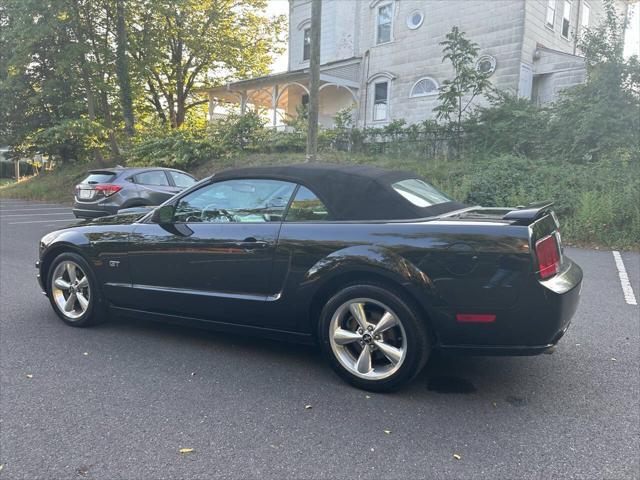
383,58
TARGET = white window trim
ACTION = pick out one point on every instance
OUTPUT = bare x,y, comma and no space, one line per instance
413,12
585,6
419,95
378,6
380,79
551,26
564,2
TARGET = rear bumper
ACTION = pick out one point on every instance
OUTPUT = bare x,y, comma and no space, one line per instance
533,326
91,211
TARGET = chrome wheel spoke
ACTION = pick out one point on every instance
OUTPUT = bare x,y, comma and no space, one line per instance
82,300
392,353
84,282
70,303
363,365
357,310
387,321
343,337
71,271
61,284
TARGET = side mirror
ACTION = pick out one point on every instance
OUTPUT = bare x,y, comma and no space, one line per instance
163,215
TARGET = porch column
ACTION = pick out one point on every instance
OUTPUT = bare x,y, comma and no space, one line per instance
243,102
211,107
274,104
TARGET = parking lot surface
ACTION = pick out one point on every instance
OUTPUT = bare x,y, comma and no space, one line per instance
121,399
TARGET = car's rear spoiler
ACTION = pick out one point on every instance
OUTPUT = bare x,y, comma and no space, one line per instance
529,214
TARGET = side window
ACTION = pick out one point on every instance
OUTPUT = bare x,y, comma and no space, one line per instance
306,207
181,180
235,201
155,177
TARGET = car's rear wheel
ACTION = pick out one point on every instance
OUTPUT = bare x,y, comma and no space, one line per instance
373,337
73,291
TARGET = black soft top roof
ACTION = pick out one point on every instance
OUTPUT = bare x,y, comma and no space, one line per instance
350,192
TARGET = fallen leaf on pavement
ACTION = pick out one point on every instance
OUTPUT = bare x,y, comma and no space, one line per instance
308,407
186,450
495,405
367,396
29,375
457,456
388,432
85,353
613,359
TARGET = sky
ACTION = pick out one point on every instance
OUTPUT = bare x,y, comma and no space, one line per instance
632,41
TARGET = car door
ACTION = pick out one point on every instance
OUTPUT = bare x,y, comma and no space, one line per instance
214,259
155,187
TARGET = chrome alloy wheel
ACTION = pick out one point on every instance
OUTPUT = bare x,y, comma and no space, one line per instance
70,289
368,339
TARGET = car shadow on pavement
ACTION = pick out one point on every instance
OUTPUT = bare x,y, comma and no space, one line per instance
443,374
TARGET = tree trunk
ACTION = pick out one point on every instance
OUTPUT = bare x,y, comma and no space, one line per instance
122,70
314,81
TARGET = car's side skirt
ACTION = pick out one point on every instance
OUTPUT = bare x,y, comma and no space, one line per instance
262,332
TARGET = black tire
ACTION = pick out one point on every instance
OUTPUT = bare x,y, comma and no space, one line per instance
95,311
417,346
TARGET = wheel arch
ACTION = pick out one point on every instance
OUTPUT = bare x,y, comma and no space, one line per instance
368,277
53,252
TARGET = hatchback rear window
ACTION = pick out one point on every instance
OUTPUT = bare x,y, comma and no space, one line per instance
420,193
99,177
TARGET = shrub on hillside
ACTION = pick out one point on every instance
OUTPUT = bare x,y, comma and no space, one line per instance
177,148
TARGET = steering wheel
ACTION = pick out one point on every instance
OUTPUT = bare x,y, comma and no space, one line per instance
212,208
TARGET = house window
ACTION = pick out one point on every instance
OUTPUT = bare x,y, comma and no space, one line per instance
566,19
304,100
384,23
415,19
424,86
306,44
551,13
381,101
586,14
486,64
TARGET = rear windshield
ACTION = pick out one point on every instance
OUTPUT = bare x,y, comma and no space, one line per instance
99,177
420,193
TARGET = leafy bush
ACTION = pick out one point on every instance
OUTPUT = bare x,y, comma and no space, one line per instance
70,140
177,148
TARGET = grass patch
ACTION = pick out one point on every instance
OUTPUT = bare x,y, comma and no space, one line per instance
598,204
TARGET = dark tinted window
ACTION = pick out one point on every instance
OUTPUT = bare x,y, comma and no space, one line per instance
181,179
236,201
154,177
99,177
306,207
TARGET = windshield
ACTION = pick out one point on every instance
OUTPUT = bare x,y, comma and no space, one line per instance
420,193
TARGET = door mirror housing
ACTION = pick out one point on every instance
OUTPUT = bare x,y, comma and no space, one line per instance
163,215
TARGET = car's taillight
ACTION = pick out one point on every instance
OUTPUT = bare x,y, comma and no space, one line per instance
548,255
107,189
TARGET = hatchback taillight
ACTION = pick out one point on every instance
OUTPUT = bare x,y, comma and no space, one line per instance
107,189
548,254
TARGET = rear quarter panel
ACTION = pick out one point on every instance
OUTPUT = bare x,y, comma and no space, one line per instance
447,266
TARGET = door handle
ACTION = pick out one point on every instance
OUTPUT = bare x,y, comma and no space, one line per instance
252,243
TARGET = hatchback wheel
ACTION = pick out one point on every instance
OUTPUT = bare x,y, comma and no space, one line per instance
373,337
73,291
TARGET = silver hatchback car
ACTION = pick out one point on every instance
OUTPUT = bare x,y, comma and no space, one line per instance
107,190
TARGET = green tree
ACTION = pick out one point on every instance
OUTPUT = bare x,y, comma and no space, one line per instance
182,45
457,94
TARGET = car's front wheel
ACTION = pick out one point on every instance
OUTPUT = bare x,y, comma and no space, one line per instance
373,337
73,291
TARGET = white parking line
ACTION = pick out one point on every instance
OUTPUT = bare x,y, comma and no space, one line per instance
35,214
627,290
29,204
68,220
46,209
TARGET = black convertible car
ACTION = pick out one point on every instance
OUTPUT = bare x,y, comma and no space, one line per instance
376,266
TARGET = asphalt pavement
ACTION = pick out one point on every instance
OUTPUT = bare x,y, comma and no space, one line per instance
120,400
